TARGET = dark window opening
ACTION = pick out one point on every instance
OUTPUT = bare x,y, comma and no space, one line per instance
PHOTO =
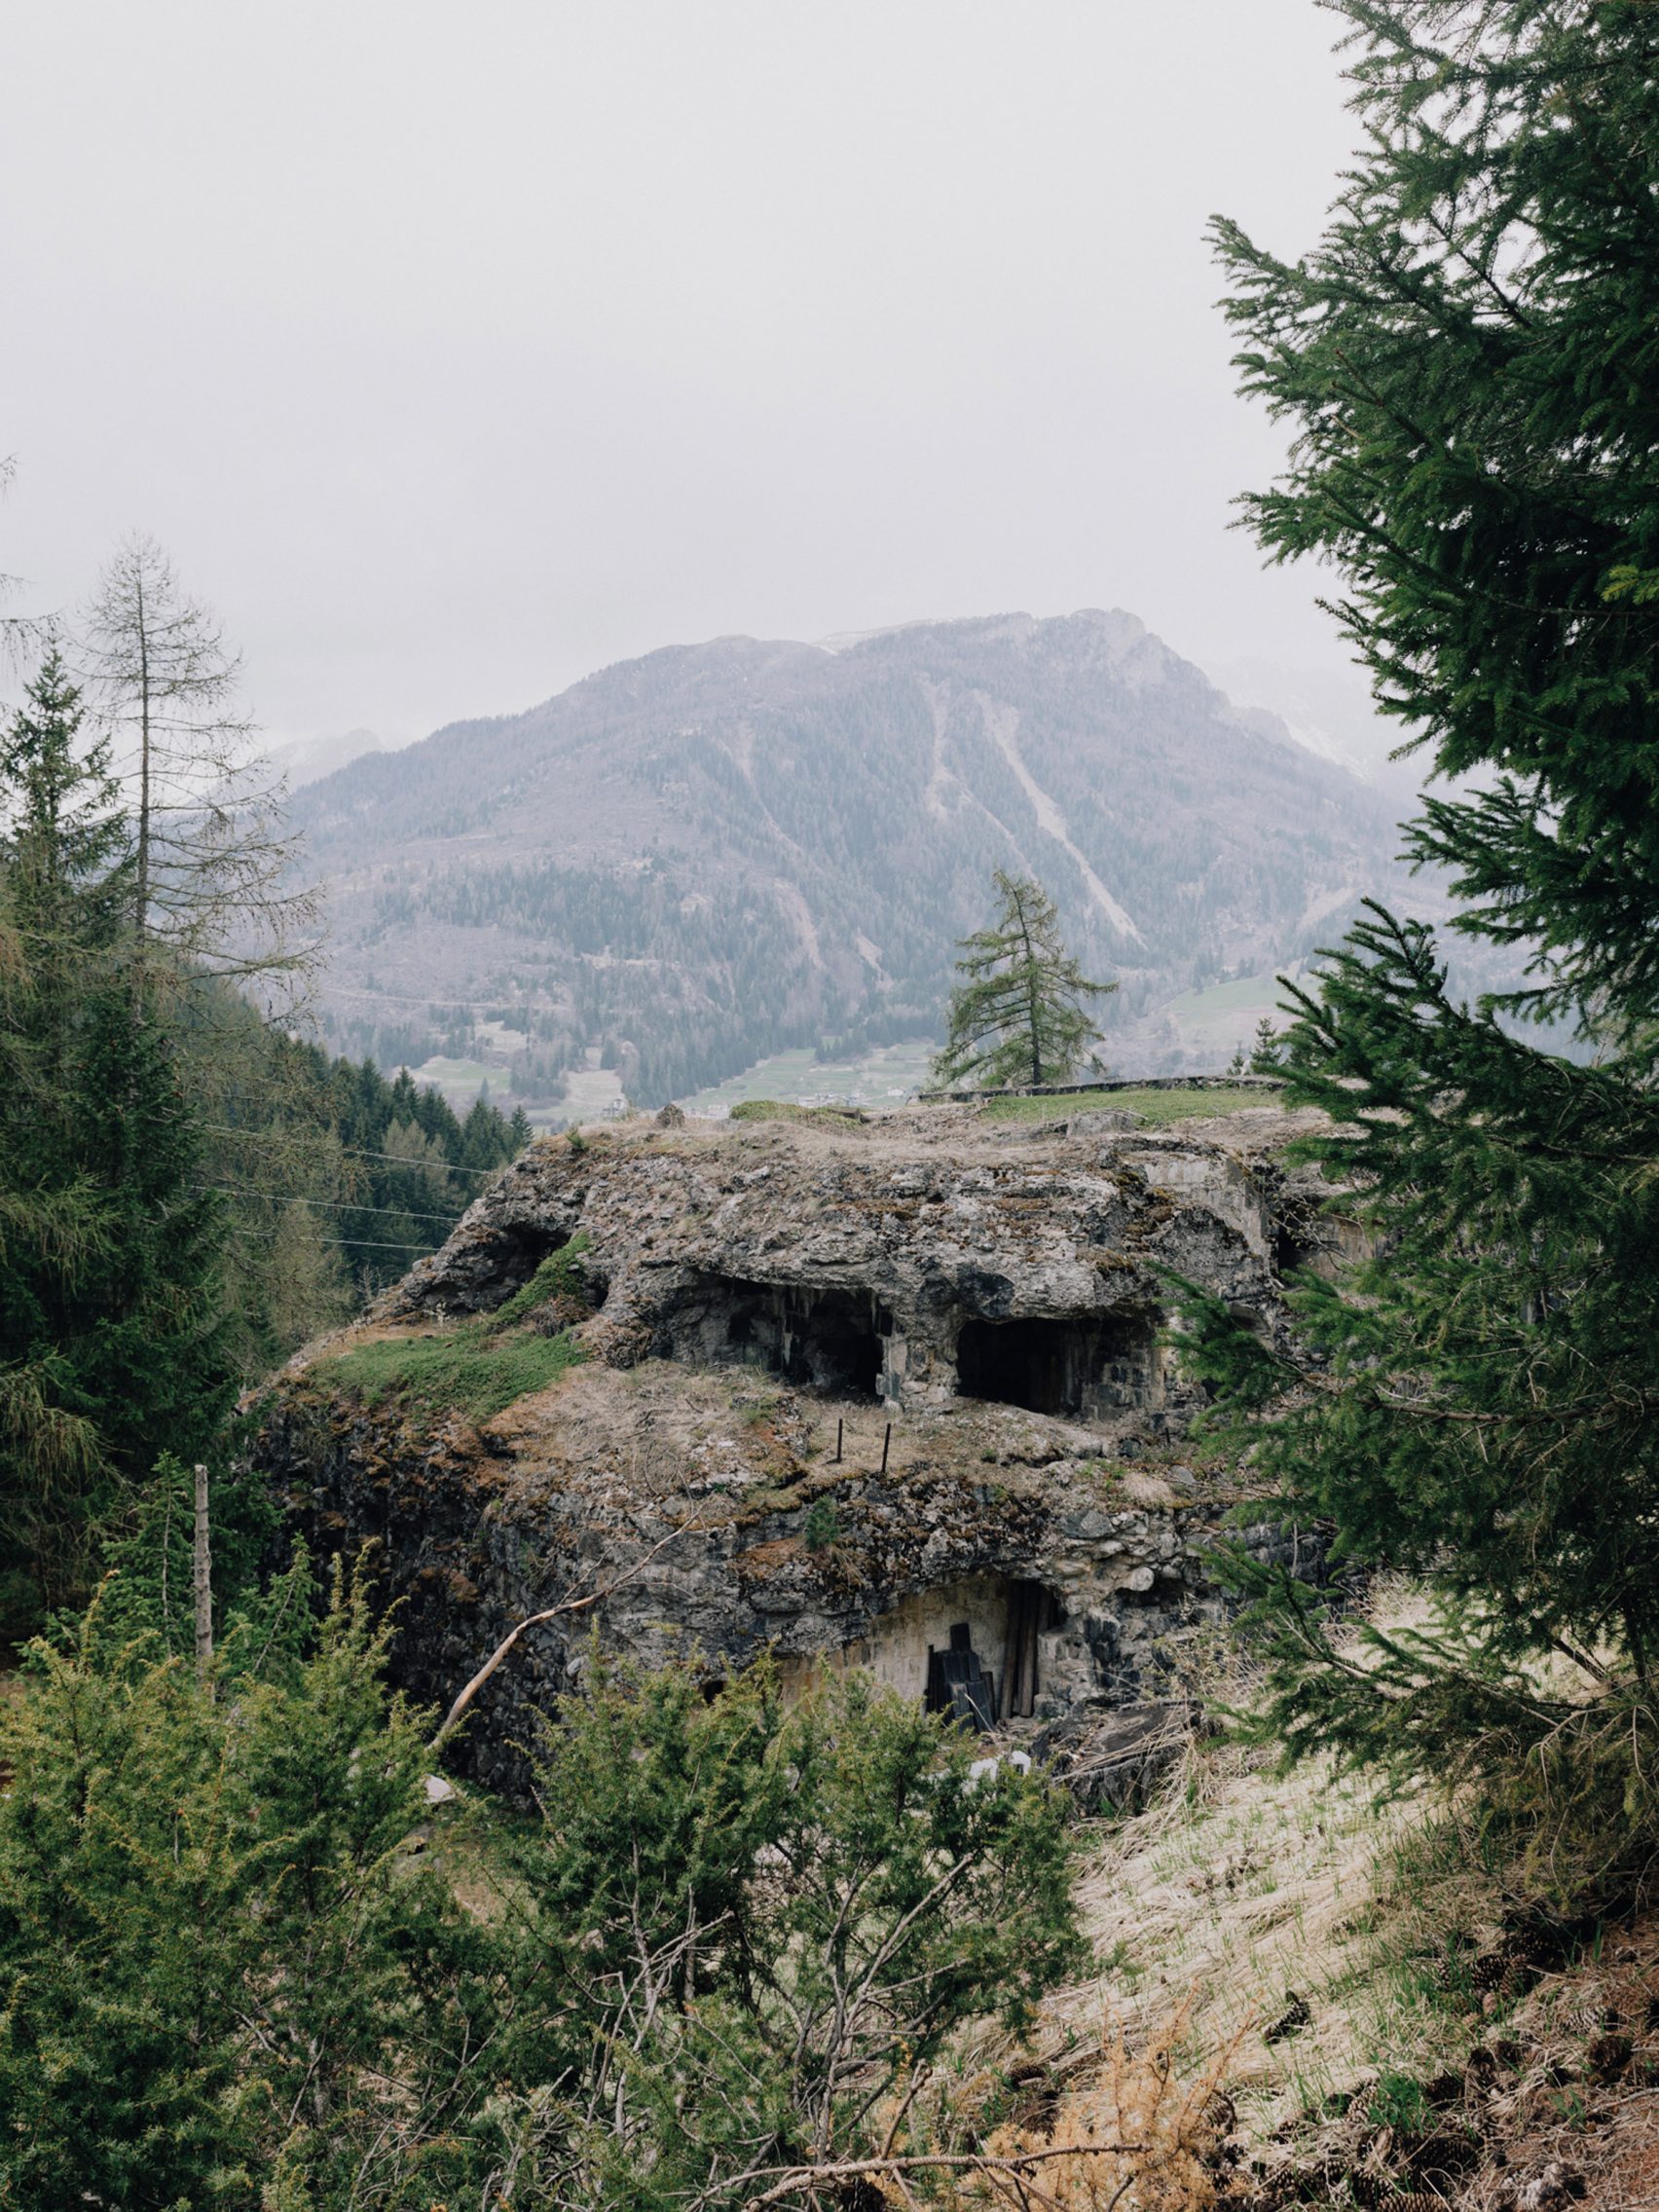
1072,1369
820,1340
515,1254
1291,1252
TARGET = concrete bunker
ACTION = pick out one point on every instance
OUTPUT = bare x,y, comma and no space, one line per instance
821,1339
1076,1368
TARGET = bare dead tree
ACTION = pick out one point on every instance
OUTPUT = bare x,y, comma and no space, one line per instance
20,635
215,886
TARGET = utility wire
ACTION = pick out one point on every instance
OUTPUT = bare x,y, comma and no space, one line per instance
359,1152
345,1244
343,1205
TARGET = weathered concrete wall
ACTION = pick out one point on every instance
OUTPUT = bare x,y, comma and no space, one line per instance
751,1294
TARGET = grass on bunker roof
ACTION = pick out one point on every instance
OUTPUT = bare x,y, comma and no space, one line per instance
1156,1108
461,1371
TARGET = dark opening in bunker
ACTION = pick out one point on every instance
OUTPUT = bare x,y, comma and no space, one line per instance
517,1251
1070,1368
826,1339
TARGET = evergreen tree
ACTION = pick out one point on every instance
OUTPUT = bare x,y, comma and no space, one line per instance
1018,1015
111,1329
225,1981
1468,365
738,1931
1267,1053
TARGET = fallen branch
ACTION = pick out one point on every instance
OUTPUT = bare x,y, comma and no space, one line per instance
563,1611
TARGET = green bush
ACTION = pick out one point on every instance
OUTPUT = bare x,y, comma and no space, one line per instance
821,1527
229,1982
220,1973
764,1919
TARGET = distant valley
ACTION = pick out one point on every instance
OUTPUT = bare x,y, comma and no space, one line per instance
690,861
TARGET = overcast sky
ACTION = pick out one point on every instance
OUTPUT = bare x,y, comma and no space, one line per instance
457,350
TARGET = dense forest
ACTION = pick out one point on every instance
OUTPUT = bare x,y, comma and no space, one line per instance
189,1190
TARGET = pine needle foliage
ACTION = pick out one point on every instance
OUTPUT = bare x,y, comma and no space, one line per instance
1019,1013
1468,365
228,1977
218,1963
761,1921
113,1332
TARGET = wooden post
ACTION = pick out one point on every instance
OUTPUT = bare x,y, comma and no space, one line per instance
885,1442
201,1583
838,1427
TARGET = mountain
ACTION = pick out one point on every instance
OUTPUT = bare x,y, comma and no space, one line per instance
725,850
305,759
1329,712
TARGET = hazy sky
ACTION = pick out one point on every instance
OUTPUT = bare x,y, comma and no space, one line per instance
456,351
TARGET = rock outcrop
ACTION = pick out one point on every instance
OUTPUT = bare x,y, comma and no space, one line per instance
857,1393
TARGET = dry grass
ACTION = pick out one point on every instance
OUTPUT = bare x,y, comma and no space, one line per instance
1249,1898
1138,2131
1247,1889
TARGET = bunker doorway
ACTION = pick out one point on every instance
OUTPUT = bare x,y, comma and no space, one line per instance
960,1683
1071,1369
826,1339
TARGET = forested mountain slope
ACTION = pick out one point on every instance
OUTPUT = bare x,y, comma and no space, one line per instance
723,850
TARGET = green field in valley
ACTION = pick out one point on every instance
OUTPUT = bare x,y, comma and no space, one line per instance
886,1075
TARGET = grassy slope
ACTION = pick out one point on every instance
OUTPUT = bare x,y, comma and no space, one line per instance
455,1372
478,1369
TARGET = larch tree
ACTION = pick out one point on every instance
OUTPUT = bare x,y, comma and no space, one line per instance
20,635
1019,1015
214,890
1469,365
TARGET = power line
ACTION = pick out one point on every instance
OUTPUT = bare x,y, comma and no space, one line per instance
358,1151
343,1205
345,1244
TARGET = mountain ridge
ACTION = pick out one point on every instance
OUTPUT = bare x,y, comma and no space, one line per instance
722,849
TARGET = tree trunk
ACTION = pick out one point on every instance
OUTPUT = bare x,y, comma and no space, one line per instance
142,879
202,1583
1030,993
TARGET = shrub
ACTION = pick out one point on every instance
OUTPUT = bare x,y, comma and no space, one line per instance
765,1918
217,1966
821,1527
